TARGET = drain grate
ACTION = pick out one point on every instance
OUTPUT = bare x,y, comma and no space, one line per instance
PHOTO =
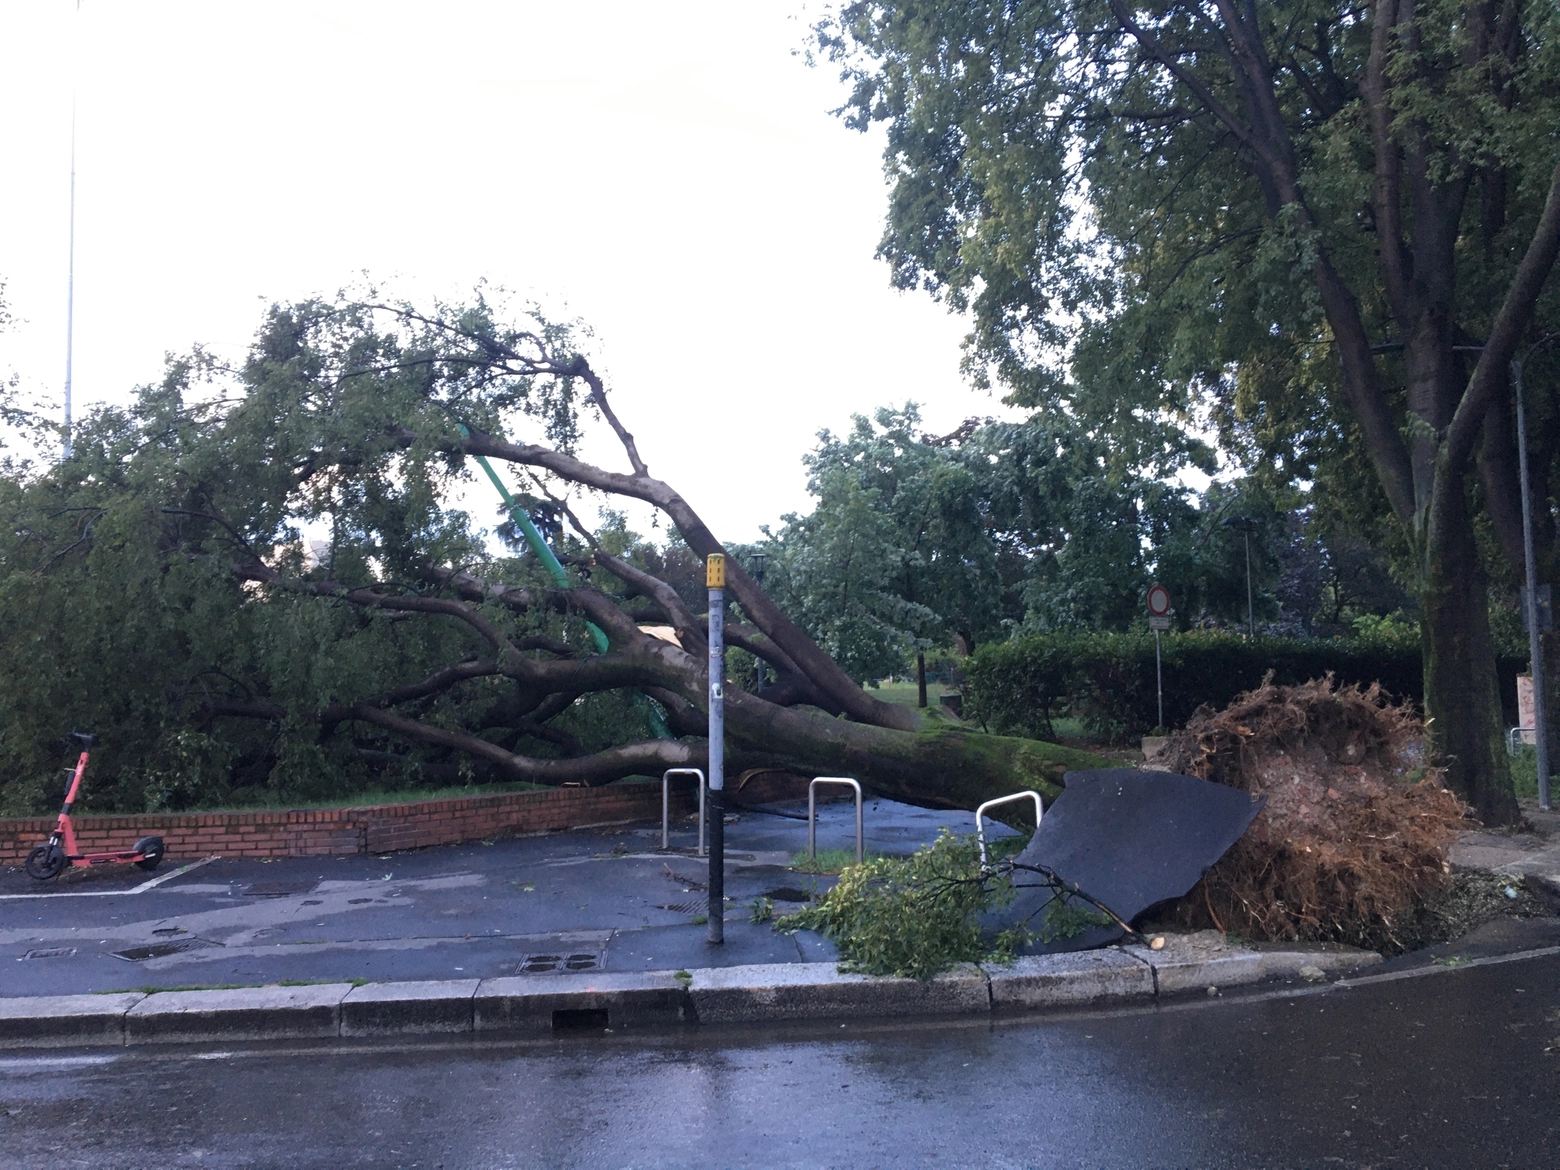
51,953
550,964
279,889
697,907
159,950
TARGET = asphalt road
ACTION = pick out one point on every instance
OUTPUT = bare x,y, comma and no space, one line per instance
1451,1069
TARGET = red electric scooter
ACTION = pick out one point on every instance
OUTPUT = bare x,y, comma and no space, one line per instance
50,860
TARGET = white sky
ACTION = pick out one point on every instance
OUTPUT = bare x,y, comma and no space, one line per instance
668,172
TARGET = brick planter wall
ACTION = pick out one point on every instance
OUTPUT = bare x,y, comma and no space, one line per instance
373,829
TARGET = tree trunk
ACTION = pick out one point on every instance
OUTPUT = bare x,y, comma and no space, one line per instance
941,766
1462,699
920,678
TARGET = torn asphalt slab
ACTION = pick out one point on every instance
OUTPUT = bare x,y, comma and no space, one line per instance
1129,839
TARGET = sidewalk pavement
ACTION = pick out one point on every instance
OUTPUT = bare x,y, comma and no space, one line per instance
1532,851
592,928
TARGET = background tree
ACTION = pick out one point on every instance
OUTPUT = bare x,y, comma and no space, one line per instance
1337,220
899,555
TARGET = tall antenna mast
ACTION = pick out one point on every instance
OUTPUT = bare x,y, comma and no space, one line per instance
70,284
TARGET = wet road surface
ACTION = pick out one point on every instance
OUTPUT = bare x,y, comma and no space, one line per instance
1452,1069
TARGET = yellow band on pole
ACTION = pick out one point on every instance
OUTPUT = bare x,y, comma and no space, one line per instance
715,571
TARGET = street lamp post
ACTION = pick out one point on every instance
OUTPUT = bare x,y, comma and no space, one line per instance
1244,525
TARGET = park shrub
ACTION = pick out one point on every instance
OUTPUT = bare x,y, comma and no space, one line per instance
1107,680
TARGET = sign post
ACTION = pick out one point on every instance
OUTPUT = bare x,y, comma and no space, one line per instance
1532,598
715,581
1159,621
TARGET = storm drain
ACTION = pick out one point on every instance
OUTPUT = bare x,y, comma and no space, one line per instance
279,889
159,950
51,953
580,1020
549,964
698,907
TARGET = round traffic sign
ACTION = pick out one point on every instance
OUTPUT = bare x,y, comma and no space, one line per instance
1158,600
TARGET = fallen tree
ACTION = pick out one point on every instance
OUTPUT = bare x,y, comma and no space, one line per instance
403,636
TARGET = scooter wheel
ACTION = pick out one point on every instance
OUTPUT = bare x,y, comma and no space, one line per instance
45,862
151,849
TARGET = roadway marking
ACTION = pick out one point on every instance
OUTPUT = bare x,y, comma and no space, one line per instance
140,889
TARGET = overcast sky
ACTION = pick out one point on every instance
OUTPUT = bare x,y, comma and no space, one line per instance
669,172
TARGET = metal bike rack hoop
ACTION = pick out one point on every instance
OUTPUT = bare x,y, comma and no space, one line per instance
980,813
666,804
812,815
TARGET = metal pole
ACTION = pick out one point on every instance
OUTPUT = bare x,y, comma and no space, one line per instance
715,582
1535,641
1251,621
1159,680
70,283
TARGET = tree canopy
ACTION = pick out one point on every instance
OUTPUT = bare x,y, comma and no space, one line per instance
1330,225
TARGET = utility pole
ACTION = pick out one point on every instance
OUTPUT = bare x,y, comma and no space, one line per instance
1535,641
715,582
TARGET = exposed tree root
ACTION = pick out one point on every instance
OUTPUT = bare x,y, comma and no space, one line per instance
1357,826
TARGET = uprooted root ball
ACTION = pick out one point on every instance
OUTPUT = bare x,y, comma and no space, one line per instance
1356,829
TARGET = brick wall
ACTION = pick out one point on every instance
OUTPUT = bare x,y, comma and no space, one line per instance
374,829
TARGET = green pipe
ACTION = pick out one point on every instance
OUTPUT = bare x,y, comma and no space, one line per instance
533,537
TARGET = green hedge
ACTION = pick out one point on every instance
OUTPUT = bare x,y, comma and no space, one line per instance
1107,680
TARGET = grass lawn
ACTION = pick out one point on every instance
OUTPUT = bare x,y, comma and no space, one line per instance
377,796
901,692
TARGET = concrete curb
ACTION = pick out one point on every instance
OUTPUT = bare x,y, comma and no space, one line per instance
541,1005
816,991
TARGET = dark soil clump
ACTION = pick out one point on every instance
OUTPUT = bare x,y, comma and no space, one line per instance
1468,900
1352,845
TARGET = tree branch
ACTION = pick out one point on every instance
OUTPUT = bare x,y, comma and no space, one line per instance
370,599
651,756
812,662
1387,196
1516,313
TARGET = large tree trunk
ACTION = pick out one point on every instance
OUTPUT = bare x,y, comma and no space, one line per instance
1462,698
941,766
